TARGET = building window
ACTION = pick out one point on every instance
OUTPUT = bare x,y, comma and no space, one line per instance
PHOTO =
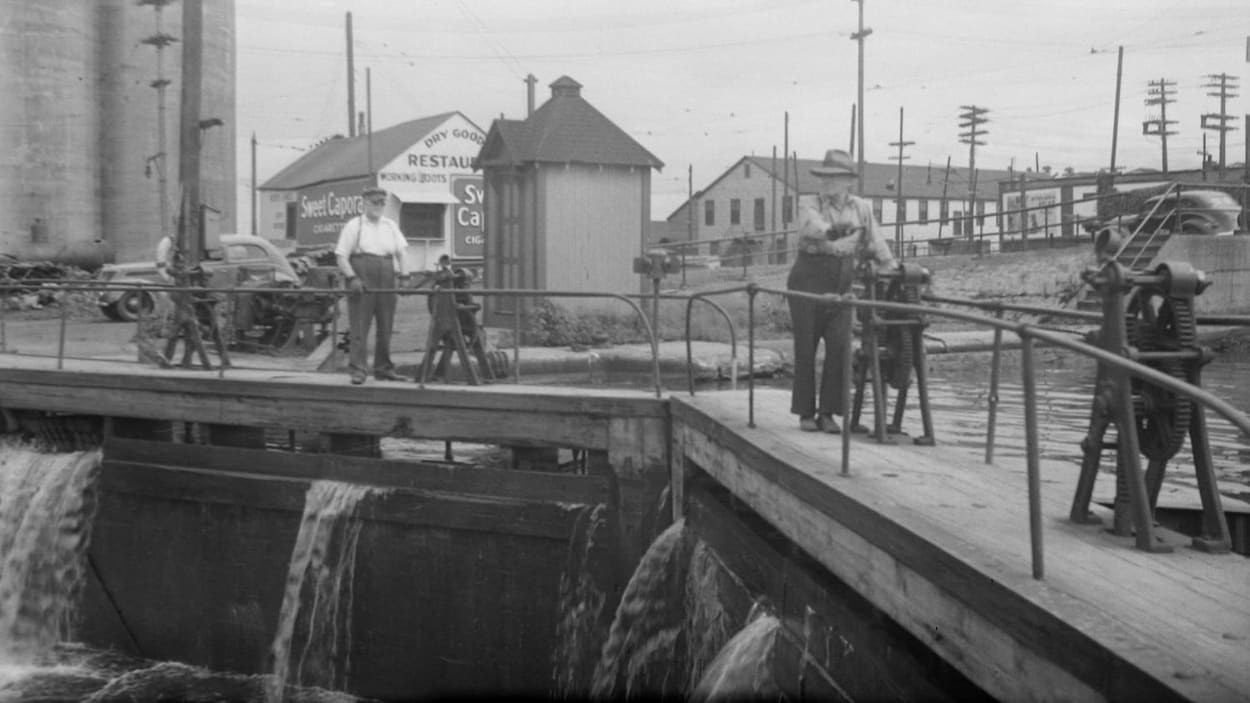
876,208
981,214
709,212
787,209
421,220
759,214
735,211
944,212
746,170
924,211
957,223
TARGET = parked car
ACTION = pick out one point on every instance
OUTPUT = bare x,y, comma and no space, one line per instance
1187,211
236,253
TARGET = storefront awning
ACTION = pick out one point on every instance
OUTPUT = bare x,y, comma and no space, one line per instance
414,195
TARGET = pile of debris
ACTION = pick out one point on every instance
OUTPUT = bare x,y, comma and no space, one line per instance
38,285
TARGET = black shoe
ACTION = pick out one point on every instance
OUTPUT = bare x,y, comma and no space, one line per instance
828,424
358,378
390,376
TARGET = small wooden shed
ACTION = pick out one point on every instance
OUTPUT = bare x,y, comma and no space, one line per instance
567,204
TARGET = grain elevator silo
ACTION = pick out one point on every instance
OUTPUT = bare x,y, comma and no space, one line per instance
80,148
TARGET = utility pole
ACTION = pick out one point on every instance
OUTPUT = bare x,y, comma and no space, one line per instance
859,36
159,40
1160,93
900,210
972,118
369,123
1115,125
351,81
943,208
253,184
786,216
189,244
851,149
1224,84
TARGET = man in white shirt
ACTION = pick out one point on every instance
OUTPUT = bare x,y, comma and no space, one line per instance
165,258
370,253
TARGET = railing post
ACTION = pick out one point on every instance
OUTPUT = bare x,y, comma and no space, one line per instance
1031,451
60,344
334,333
995,368
751,291
848,356
4,332
516,339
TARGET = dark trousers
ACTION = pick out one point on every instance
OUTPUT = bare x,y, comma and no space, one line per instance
375,272
814,322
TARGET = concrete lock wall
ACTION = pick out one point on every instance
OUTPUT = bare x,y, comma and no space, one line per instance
1225,260
452,594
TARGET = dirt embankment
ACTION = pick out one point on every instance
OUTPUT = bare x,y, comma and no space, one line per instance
1047,277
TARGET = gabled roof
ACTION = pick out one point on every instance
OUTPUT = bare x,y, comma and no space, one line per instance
879,179
565,129
341,157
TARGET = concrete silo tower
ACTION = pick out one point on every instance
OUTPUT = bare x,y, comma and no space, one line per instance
80,153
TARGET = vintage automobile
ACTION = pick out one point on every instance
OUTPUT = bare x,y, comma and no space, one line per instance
238,256
1186,211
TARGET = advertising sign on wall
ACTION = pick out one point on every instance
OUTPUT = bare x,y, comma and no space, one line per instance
424,173
468,228
322,209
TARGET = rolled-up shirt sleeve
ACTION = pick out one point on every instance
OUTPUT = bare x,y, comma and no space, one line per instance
876,247
812,227
401,249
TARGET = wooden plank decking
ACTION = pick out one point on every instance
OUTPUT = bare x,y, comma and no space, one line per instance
939,541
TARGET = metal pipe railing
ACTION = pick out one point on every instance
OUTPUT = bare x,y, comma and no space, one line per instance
733,343
1028,334
648,328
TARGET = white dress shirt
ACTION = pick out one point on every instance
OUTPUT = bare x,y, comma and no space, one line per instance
362,236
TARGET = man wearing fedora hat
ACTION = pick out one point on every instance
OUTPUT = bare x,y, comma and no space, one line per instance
834,236
370,254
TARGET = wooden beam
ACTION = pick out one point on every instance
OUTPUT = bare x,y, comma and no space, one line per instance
413,476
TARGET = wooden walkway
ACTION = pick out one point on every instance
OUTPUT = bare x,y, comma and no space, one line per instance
939,541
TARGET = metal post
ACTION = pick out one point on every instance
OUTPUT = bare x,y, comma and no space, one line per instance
848,353
334,334
995,367
751,355
60,345
516,340
1031,452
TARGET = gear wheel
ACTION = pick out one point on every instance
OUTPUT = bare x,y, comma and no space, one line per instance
1156,322
898,338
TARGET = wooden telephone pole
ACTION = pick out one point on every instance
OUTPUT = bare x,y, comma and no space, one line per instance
900,210
189,242
1160,93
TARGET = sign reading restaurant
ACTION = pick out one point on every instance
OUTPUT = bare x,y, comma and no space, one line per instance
439,170
436,195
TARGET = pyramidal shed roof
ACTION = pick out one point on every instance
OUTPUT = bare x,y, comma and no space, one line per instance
565,129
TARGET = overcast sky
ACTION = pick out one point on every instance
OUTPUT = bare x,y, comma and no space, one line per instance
701,83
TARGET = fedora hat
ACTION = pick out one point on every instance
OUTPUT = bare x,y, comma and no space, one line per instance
371,191
836,163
